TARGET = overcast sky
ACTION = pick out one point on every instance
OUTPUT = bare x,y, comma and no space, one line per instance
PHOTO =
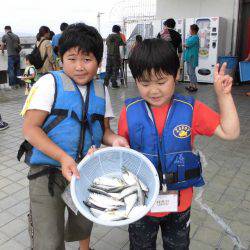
26,16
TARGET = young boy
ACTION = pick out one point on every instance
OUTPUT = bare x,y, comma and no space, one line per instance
163,125
65,114
29,76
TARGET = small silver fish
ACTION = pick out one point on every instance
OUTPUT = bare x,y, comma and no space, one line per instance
137,210
100,191
108,181
105,200
141,194
109,188
128,191
130,179
98,204
130,202
91,205
97,212
113,215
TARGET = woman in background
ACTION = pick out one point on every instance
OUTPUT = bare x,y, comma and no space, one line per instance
191,56
45,49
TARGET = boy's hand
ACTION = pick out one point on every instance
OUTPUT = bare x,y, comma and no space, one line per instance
120,142
91,150
69,167
222,83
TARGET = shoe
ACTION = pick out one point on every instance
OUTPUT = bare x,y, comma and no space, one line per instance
191,89
3,125
14,87
115,87
188,88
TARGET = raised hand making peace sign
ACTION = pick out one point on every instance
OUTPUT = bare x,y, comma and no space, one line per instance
222,83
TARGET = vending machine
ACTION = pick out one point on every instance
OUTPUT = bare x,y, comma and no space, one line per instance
212,34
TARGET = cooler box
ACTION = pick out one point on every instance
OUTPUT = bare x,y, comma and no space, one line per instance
244,71
232,63
102,75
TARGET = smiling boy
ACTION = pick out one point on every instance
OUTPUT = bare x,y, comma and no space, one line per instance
162,125
65,114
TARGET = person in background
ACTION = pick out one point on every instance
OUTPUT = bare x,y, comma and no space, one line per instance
191,56
3,125
113,41
123,37
54,43
171,35
29,76
12,42
52,34
55,38
138,40
46,50
123,55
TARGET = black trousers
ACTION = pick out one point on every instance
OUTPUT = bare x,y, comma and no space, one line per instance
175,230
112,69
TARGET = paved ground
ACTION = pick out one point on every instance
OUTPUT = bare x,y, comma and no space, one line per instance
220,218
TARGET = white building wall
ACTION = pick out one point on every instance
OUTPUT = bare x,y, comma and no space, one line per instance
203,8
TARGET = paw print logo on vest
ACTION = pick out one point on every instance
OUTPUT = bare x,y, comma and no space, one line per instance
182,131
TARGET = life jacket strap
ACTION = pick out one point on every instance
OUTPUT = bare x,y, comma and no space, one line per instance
50,171
24,148
172,178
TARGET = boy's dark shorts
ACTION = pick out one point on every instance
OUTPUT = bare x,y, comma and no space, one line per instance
175,229
47,215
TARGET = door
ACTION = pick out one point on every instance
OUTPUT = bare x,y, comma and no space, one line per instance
243,32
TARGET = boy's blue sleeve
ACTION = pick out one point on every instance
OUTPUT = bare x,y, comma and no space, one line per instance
53,41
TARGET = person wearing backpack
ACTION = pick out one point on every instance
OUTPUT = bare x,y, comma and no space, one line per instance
46,51
171,35
12,42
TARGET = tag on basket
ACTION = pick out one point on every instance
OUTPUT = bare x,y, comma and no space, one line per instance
66,196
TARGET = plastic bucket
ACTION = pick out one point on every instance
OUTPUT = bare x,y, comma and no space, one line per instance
102,75
244,71
232,63
108,161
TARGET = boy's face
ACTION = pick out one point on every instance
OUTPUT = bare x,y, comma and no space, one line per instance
80,66
157,91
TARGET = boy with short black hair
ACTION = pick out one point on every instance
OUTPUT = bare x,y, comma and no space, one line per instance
66,113
163,125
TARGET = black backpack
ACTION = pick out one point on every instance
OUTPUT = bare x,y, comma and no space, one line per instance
36,58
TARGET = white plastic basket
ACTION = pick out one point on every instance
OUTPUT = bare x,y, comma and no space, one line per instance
111,160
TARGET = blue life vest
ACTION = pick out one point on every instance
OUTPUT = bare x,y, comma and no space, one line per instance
66,126
171,153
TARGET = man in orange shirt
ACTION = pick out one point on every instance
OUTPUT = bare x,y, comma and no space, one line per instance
163,125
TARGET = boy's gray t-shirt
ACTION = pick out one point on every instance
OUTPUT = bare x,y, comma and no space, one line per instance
11,40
